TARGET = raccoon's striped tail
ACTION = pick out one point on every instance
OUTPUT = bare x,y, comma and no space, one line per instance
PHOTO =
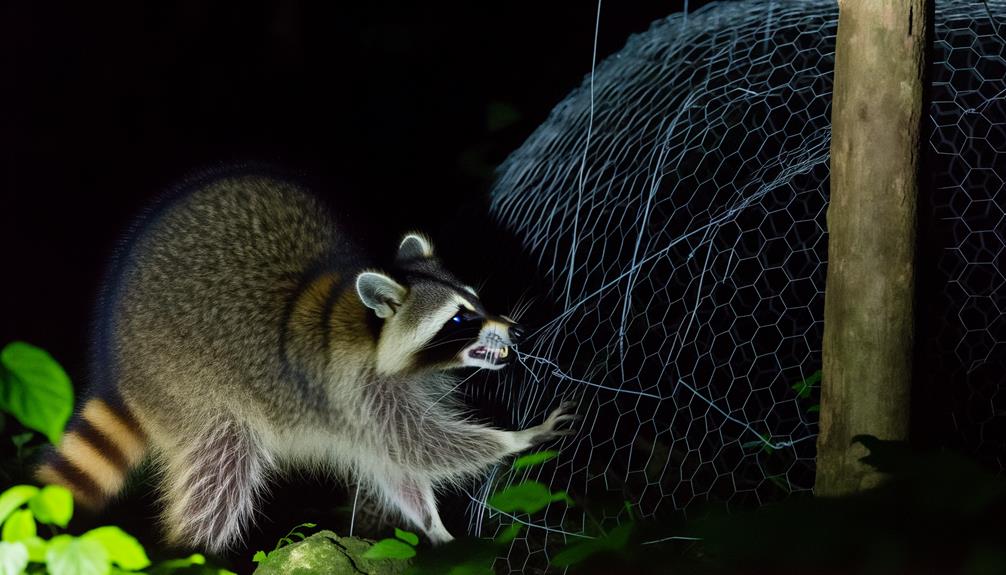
100,446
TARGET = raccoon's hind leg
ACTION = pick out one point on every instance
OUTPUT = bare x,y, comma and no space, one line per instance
212,483
413,497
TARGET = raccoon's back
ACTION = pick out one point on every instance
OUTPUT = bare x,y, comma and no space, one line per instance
200,303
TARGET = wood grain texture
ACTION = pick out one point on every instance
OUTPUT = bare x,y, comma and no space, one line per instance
875,150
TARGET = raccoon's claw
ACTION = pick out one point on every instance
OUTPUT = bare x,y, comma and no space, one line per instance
550,429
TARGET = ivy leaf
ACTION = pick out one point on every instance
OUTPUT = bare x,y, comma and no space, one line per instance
122,548
529,497
15,497
20,525
259,557
533,459
509,534
76,556
390,549
407,536
13,558
816,408
53,505
35,389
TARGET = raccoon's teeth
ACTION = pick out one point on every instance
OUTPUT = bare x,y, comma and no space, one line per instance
504,351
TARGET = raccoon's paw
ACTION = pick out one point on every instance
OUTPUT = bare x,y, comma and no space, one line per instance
553,426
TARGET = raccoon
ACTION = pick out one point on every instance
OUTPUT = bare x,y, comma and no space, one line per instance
243,334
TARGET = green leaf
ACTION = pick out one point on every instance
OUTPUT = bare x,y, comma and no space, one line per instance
803,388
53,505
295,532
615,540
21,439
471,568
780,482
816,408
259,557
15,497
529,497
629,509
618,537
20,525
76,556
13,558
390,549
575,553
407,536
533,459
174,565
764,443
35,389
563,496
122,548
36,548
509,534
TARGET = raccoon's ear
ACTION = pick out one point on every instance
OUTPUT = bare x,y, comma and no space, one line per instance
380,293
415,246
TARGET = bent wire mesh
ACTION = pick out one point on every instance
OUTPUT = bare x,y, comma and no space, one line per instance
675,203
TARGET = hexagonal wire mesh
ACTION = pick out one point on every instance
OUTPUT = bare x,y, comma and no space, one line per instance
676,205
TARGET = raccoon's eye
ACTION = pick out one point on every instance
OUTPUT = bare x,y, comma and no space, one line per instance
464,316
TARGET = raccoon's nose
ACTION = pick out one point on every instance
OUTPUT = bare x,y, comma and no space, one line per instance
517,333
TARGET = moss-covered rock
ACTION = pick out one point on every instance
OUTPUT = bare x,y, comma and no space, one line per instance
325,553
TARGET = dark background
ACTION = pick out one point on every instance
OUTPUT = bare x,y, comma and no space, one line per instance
398,110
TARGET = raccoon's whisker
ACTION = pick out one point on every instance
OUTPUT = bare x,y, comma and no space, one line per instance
443,342
520,311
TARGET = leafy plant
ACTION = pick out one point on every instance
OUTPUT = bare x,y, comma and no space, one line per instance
533,459
476,556
100,551
293,536
615,540
804,388
22,507
35,389
527,497
401,547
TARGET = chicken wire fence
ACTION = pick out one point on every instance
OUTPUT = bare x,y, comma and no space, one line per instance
675,204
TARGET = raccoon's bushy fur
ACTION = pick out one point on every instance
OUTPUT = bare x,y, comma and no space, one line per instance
242,333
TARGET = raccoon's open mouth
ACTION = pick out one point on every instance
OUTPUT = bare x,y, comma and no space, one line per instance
493,356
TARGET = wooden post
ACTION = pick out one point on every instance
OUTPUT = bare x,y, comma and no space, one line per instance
880,59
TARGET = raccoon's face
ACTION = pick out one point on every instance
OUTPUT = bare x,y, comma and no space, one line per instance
431,320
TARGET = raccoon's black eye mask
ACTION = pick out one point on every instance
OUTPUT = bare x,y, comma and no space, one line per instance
464,315
454,336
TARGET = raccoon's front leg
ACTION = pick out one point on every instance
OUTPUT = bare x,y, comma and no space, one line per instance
211,485
550,429
445,449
